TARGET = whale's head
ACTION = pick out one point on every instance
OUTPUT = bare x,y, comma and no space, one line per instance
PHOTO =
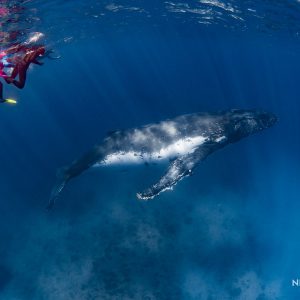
247,122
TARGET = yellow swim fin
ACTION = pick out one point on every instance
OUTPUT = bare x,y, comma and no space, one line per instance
10,101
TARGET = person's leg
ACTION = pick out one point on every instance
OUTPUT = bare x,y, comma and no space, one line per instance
22,72
1,92
13,75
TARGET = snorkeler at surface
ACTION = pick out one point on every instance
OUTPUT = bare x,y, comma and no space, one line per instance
21,66
15,61
5,65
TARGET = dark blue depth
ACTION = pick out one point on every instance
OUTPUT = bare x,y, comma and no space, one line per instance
228,232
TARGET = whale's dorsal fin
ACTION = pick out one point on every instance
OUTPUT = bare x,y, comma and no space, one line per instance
182,167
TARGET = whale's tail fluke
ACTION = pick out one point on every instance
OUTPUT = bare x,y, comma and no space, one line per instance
61,182
64,175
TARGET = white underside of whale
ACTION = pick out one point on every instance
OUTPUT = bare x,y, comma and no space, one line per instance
180,147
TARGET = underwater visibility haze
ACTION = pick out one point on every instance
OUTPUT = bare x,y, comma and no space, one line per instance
229,231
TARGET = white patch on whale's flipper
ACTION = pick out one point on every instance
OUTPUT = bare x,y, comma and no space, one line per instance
180,168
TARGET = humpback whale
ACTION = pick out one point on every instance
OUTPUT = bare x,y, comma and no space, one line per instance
184,141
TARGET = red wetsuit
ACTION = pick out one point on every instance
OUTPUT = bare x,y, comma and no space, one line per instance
21,66
22,57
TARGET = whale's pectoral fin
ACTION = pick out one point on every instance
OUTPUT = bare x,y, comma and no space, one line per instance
178,169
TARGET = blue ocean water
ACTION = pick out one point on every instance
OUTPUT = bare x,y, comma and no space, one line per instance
228,232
